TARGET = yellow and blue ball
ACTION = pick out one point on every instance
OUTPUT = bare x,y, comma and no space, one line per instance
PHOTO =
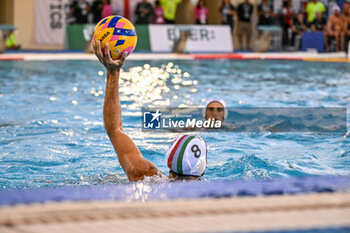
118,32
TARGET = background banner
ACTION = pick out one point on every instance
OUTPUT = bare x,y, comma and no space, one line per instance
201,38
50,21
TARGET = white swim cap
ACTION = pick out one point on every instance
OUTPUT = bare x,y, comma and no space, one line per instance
187,155
335,7
214,99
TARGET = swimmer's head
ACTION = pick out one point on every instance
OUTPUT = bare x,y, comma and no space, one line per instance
187,157
215,108
336,10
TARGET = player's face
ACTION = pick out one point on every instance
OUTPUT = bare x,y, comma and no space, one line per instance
215,110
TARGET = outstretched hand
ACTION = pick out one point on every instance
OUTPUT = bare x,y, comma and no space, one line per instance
106,59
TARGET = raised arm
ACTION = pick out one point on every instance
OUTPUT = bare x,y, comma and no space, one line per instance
130,158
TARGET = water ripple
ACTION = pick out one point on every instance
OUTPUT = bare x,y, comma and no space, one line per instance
52,133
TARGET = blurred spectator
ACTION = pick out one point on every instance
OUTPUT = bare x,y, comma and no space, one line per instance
320,25
158,13
347,25
169,7
287,15
96,10
336,28
312,8
303,4
143,12
265,13
299,25
75,12
11,42
227,11
107,9
201,13
244,12
84,9
71,16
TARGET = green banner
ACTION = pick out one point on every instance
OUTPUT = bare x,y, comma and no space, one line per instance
75,37
77,32
143,43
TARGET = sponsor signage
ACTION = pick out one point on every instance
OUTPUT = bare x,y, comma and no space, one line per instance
197,38
50,21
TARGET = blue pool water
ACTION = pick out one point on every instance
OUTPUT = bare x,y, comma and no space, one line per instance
52,134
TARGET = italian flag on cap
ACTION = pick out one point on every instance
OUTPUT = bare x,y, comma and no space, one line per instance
187,155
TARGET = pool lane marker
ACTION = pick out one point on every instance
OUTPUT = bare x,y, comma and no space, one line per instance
337,60
11,58
155,56
244,57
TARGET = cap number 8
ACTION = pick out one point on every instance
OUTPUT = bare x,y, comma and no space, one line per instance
196,151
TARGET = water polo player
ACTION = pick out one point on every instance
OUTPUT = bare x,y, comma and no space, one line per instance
187,155
215,108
